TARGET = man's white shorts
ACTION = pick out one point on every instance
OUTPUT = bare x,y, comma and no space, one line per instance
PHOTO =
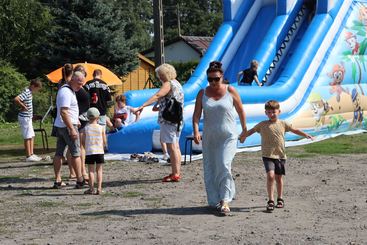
26,126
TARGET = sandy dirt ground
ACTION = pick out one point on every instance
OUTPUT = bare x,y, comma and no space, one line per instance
325,203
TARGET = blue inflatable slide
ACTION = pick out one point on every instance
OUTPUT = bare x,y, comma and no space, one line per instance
311,56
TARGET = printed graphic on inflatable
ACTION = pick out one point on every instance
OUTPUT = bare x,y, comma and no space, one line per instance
338,101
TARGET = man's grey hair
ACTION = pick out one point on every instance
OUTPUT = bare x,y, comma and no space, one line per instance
78,75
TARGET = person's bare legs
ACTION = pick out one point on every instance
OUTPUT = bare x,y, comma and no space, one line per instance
164,148
270,184
57,168
175,157
76,163
27,147
72,173
99,177
82,158
279,181
91,176
31,146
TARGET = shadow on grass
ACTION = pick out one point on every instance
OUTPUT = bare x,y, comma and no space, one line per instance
172,211
130,182
23,188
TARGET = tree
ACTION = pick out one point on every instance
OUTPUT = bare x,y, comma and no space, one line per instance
197,17
139,26
23,25
91,31
12,83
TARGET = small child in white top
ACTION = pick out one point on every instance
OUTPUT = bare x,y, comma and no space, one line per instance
94,140
124,115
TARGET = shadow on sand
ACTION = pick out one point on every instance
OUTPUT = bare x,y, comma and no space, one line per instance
171,211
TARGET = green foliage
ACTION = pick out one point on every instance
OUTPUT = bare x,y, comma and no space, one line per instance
12,83
184,70
139,26
23,25
89,31
197,17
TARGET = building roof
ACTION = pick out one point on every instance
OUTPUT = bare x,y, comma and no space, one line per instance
199,44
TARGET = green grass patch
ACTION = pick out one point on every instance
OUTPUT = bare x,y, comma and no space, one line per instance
353,144
12,145
131,194
48,204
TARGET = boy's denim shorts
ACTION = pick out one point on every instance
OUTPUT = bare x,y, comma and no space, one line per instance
276,165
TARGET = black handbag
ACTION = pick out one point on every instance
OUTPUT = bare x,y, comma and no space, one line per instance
173,112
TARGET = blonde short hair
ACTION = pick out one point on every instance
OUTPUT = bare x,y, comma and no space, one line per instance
166,72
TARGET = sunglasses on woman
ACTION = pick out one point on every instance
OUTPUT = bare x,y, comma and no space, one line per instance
214,79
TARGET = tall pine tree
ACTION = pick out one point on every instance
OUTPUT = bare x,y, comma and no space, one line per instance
91,31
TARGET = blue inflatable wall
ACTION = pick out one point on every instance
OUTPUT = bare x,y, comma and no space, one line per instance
311,58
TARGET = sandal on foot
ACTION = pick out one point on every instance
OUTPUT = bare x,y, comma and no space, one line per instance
171,178
99,192
270,206
224,209
58,185
280,203
89,192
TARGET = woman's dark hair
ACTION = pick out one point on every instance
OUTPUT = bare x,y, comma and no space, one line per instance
215,66
67,71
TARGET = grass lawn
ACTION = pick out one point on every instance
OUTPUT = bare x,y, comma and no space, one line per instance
11,142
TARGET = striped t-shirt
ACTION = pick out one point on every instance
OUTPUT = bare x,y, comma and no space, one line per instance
94,139
26,97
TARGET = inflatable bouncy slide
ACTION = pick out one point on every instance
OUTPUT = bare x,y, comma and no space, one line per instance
311,57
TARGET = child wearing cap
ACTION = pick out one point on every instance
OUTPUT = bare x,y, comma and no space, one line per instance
94,140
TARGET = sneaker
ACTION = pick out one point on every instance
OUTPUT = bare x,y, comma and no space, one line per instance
32,158
165,157
38,157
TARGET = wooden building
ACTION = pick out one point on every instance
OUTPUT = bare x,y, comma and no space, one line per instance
137,79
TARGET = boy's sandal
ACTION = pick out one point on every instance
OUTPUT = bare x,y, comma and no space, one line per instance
280,203
270,206
89,192
224,209
171,178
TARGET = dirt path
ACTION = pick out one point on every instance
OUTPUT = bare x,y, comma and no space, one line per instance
326,203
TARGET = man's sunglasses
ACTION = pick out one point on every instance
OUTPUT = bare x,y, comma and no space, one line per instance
214,79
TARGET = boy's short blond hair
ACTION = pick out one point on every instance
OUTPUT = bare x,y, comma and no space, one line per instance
272,105
166,72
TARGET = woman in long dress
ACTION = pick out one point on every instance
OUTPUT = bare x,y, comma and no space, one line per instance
219,102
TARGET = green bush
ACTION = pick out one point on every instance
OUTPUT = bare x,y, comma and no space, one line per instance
12,83
184,70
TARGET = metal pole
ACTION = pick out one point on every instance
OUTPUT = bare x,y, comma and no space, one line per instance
158,32
178,20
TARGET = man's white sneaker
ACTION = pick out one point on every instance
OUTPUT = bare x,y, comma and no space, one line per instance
32,158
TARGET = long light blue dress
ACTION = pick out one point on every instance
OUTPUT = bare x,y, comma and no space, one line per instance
219,147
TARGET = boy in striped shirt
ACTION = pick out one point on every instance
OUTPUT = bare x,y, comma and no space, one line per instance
24,100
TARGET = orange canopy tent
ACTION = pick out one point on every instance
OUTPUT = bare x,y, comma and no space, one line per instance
108,76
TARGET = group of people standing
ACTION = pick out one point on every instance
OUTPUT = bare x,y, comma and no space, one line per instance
220,105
